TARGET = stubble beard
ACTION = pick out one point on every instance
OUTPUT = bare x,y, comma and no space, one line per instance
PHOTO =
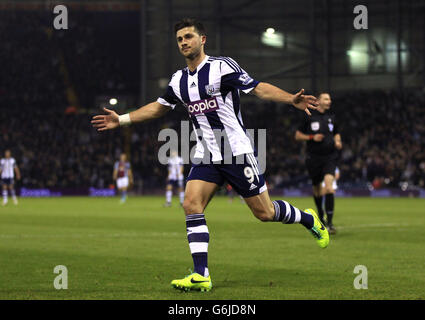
193,55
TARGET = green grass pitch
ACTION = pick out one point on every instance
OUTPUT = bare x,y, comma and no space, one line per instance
133,251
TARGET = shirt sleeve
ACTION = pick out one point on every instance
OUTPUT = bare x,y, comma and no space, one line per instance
169,98
303,127
232,75
336,129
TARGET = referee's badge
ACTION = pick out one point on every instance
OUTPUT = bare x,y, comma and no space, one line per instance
331,127
209,88
315,126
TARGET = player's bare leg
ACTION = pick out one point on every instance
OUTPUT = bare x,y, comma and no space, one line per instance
123,192
181,195
329,201
197,196
13,194
168,195
261,206
4,187
266,210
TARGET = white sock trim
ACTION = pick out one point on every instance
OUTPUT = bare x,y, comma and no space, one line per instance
197,247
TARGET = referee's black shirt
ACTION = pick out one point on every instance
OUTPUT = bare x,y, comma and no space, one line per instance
323,123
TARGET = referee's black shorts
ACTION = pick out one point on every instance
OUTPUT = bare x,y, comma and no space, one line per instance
319,166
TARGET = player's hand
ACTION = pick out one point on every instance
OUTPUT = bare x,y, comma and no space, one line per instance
318,137
303,102
338,145
106,122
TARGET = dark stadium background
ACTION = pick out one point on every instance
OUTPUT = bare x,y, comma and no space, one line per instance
53,81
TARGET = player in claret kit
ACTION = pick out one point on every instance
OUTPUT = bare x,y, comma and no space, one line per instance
123,176
209,89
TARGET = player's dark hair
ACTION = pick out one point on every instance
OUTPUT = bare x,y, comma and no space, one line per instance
323,92
190,22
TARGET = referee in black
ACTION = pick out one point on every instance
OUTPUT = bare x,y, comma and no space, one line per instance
323,142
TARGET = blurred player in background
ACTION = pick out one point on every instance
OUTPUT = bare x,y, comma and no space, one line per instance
123,176
209,87
175,178
229,192
8,169
323,142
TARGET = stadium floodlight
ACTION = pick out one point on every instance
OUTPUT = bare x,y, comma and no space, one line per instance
272,38
270,31
376,51
113,101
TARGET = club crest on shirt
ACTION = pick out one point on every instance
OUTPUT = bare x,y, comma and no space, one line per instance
209,88
315,126
331,127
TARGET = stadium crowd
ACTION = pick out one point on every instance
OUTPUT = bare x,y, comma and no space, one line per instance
55,145
382,140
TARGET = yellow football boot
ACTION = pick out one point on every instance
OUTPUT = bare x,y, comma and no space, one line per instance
319,231
194,281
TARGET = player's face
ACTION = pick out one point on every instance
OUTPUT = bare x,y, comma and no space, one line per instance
123,157
190,42
325,101
7,154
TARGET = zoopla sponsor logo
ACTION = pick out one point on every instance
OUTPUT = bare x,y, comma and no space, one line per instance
202,106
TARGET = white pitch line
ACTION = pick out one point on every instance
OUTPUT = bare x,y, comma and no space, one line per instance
375,225
91,235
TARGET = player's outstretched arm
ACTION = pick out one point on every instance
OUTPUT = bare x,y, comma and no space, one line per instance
112,120
267,91
18,173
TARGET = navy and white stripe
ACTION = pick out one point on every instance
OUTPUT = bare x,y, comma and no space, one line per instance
286,213
7,166
198,237
225,79
175,165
